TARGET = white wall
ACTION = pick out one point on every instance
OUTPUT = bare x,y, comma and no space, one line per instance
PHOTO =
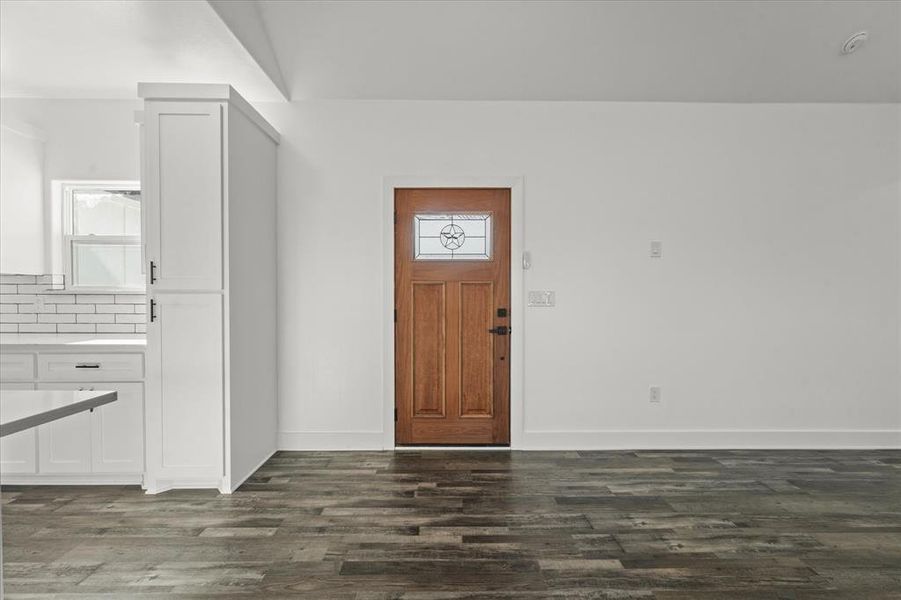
21,198
772,319
83,139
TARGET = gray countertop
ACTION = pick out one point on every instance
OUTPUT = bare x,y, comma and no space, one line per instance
24,409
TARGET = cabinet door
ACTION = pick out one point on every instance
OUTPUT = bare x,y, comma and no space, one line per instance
16,367
117,430
64,446
185,389
18,452
183,188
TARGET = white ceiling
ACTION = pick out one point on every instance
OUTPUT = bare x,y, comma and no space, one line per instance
101,49
718,51
708,51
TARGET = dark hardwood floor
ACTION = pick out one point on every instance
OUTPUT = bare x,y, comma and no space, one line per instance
489,524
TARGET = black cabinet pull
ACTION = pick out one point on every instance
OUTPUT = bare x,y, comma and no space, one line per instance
152,272
152,310
87,366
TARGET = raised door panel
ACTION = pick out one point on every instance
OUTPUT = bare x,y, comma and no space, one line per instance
18,452
117,431
185,194
429,317
64,446
185,388
476,349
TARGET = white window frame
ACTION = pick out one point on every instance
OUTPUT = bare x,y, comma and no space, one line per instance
69,238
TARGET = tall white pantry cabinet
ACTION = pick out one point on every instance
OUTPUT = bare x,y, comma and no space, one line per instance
209,182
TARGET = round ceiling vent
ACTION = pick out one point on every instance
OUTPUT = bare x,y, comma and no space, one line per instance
854,42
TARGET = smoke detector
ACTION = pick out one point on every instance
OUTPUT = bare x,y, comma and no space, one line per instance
854,42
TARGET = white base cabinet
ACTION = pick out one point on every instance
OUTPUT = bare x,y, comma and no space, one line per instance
64,446
117,445
103,446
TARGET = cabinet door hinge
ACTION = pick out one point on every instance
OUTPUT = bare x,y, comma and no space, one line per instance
395,415
395,217
395,315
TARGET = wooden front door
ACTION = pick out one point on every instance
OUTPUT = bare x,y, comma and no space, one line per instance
452,295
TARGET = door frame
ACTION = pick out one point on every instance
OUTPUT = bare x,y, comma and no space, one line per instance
517,290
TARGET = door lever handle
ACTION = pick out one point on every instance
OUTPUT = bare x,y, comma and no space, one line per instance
500,330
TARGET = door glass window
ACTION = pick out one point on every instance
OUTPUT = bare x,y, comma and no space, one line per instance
452,236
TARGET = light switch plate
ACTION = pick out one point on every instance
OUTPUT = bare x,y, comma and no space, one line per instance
526,260
542,298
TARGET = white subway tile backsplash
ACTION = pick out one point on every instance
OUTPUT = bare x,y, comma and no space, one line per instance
34,308
92,318
74,308
17,299
56,318
18,318
38,304
95,298
37,328
131,318
107,328
76,328
115,308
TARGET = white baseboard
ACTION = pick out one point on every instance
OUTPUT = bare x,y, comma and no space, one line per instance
647,439
331,440
73,479
764,439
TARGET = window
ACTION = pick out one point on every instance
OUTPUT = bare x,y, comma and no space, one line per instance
102,237
452,237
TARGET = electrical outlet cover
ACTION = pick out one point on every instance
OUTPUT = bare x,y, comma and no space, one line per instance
542,298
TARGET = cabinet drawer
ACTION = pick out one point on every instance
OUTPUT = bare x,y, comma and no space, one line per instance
90,367
16,367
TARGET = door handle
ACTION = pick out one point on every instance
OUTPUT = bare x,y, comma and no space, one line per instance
152,272
500,330
152,310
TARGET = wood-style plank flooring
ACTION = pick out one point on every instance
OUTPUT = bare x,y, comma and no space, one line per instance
428,525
